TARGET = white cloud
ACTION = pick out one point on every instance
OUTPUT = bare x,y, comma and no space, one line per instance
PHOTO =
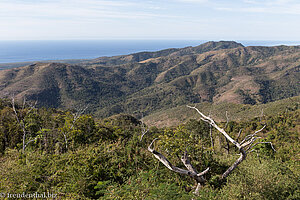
224,8
141,19
193,1
75,9
76,18
271,2
291,7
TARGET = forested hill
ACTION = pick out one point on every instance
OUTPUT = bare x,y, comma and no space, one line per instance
146,82
75,156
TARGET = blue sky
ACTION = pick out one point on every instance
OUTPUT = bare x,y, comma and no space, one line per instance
150,19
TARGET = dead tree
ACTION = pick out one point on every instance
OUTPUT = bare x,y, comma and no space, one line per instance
76,116
261,115
190,171
144,131
210,134
227,142
20,120
244,147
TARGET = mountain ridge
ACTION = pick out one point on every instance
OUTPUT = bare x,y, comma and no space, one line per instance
146,82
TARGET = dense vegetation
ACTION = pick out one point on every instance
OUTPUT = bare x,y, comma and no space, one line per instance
105,158
147,82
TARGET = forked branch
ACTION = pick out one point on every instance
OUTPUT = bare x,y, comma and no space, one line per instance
248,141
191,171
245,146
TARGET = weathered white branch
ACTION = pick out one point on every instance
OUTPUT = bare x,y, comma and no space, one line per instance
66,140
212,122
227,142
249,140
210,134
204,172
21,121
262,114
227,119
191,171
242,157
144,131
76,116
237,139
31,108
167,163
187,163
248,137
30,142
242,151
262,143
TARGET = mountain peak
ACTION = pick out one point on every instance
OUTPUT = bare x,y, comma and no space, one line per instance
124,84
213,45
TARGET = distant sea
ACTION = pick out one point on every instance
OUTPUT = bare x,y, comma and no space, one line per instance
39,50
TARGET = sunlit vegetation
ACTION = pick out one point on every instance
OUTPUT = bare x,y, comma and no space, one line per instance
105,159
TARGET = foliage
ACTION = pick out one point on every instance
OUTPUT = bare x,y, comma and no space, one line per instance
105,159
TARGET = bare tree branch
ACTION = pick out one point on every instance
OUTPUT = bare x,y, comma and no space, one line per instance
191,171
239,134
76,116
21,121
249,140
210,133
30,141
144,131
167,163
187,163
227,142
262,114
32,106
238,145
248,137
227,119
262,143
242,157
212,122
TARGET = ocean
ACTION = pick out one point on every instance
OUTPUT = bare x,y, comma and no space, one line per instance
41,50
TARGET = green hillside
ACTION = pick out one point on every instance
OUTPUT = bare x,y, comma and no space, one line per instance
235,112
147,82
106,159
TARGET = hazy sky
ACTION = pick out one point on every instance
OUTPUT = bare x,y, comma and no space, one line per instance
145,19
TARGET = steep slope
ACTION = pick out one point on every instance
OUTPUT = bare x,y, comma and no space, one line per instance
55,85
151,81
243,75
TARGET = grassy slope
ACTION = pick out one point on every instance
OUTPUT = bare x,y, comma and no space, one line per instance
236,112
